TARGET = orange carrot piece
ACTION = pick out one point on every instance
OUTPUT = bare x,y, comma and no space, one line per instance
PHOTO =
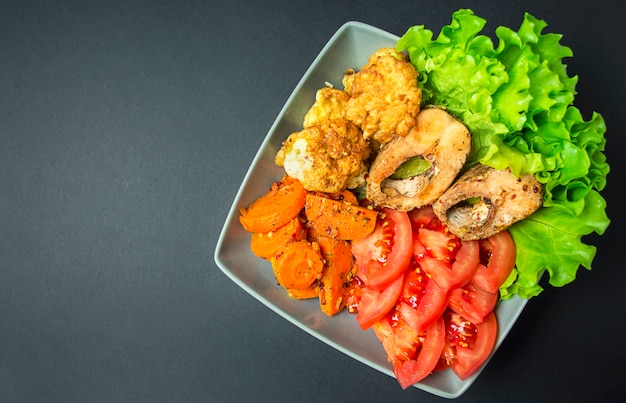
304,293
267,244
338,219
345,195
277,207
298,264
349,197
336,275
313,235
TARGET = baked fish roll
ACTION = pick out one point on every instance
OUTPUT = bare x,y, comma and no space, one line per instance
485,201
414,170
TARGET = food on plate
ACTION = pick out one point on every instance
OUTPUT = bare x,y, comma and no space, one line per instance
384,96
439,284
492,272
298,264
413,356
472,302
382,255
267,244
485,200
330,104
326,156
447,176
516,98
310,254
449,261
438,139
276,208
337,273
337,218
303,293
343,127
468,345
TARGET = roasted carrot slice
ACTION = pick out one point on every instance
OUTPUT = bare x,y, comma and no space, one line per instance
304,293
345,195
338,219
313,235
298,264
267,244
336,275
277,207
349,197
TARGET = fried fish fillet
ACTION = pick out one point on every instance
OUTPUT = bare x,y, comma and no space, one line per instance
325,157
330,103
384,96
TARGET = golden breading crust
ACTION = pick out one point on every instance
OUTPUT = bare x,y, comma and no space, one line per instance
384,96
324,157
330,103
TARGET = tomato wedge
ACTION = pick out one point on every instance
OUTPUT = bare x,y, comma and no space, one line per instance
472,302
412,355
423,217
416,289
421,301
374,304
410,372
497,259
459,271
446,259
383,255
473,343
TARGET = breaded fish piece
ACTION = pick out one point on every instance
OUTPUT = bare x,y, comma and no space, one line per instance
441,140
384,96
330,103
326,157
485,201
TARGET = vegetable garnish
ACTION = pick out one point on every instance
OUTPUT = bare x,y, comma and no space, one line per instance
517,100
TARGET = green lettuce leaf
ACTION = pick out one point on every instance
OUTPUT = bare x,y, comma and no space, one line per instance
517,100
561,251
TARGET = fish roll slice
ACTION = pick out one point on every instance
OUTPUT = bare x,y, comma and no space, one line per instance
439,143
485,201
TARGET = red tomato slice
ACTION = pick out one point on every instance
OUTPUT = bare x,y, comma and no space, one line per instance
412,355
414,370
497,255
419,250
448,260
473,343
421,301
472,302
422,217
375,304
399,340
383,255
439,244
432,235
447,358
461,270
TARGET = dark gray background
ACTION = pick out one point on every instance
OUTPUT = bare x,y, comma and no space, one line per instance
125,130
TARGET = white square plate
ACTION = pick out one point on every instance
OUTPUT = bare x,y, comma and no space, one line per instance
349,47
